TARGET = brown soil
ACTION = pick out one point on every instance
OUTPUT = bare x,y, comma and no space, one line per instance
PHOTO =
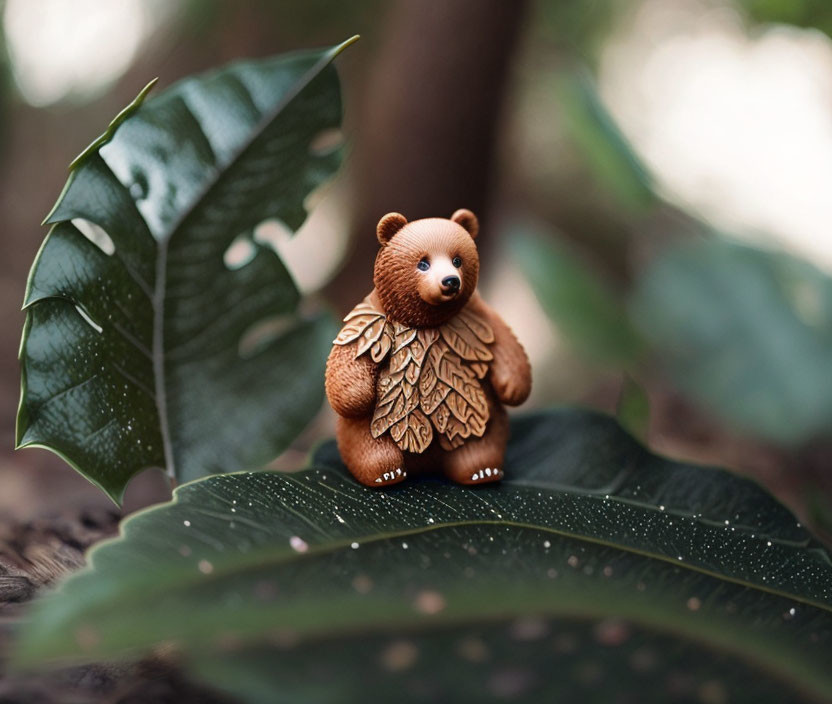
33,555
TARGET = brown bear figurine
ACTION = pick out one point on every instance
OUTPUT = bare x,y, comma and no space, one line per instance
422,367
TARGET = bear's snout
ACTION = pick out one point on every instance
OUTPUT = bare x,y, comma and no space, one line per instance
450,285
441,282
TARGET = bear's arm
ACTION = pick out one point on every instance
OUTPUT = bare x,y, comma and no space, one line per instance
510,372
350,382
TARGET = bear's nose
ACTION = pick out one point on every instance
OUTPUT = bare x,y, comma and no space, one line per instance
451,283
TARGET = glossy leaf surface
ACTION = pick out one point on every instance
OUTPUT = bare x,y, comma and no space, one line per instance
135,351
589,527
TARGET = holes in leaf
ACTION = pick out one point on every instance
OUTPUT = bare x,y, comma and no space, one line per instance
314,197
315,251
272,232
96,235
140,187
239,253
326,142
263,332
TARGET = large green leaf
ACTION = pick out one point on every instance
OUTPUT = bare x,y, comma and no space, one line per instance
745,332
131,353
299,584
527,659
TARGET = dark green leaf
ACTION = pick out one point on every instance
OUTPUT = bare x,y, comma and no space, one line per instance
745,332
576,300
115,123
587,527
527,659
131,354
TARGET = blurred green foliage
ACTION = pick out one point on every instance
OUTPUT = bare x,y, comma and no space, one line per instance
576,299
290,18
577,26
803,13
604,147
745,332
633,408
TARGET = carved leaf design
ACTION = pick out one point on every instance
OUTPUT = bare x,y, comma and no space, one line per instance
477,325
356,326
382,346
465,385
440,419
432,379
369,328
413,433
396,400
479,368
371,336
462,340
432,391
466,406
399,392
403,335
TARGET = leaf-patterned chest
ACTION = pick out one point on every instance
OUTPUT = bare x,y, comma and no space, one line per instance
431,378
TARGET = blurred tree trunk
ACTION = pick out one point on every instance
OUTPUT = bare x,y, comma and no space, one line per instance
429,121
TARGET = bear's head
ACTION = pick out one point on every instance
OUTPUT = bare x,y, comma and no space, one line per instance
426,270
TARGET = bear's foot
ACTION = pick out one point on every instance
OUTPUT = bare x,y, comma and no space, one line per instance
394,476
462,473
477,461
486,475
375,462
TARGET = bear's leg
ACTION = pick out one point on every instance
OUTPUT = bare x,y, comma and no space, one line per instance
373,461
480,460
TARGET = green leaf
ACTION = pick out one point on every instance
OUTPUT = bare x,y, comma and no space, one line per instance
606,149
141,347
697,563
115,123
576,300
746,333
633,408
529,659
804,13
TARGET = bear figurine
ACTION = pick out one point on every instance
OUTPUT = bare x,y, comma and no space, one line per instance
422,367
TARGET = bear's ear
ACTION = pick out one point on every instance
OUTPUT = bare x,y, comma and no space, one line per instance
468,220
389,225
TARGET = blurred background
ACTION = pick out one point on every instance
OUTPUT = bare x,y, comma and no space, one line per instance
653,179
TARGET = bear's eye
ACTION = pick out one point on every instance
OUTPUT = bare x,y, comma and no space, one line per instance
423,264
457,262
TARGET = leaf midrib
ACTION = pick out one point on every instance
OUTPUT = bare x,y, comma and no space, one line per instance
755,654
744,529
268,555
160,284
